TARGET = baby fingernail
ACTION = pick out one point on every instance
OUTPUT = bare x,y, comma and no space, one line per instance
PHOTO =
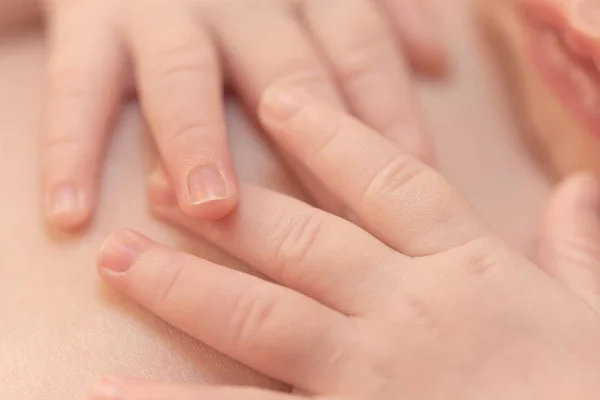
108,389
120,251
206,183
65,199
282,102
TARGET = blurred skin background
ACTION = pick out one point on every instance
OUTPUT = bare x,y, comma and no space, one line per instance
61,329
549,52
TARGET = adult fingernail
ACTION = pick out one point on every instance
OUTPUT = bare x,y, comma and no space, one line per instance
108,389
206,183
282,102
120,251
65,199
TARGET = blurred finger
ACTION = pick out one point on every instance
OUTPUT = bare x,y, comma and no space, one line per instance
256,58
374,77
86,68
418,31
569,241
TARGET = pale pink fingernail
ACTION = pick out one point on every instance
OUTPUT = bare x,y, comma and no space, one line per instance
206,183
120,251
65,199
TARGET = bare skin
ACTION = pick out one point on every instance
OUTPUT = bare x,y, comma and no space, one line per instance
550,53
425,302
85,331
178,55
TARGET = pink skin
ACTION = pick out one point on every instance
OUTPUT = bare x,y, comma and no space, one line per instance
563,39
425,303
345,50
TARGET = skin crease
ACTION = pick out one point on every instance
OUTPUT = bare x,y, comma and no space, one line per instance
74,330
560,140
103,50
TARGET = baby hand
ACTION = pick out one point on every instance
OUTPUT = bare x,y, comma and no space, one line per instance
180,53
426,303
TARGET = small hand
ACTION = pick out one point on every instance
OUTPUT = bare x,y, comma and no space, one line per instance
180,53
426,303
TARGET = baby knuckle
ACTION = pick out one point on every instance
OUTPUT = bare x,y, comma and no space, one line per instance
579,250
169,276
67,83
177,60
482,256
297,239
363,58
393,179
253,317
301,71
65,152
180,136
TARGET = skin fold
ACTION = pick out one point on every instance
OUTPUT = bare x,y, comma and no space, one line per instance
354,53
62,329
429,305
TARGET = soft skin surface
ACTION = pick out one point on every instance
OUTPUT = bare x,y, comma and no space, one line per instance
61,329
565,142
99,50
426,304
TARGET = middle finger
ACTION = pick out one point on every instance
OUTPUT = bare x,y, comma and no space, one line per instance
262,43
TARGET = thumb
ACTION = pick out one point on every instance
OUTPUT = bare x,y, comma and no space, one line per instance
569,239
